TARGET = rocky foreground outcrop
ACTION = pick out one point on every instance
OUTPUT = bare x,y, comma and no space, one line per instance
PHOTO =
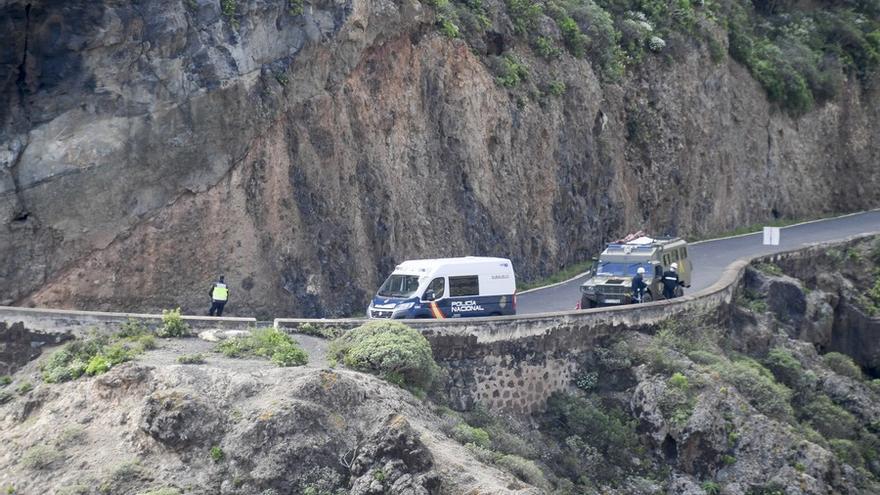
146,147
231,427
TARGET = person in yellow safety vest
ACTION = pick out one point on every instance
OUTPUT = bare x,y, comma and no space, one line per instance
219,295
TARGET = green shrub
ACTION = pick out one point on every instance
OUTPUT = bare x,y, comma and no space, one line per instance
24,388
322,331
785,367
5,380
847,452
523,469
173,324
40,457
842,365
388,348
144,343
757,384
132,329
524,14
191,359
546,48
711,488
769,268
574,39
5,396
103,352
679,381
831,420
675,403
448,28
269,343
97,365
288,356
216,454
608,430
464,433
556,88
586,380
295,7
704,357
505,442
511,72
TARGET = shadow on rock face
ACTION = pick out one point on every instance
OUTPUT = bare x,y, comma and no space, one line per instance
178,420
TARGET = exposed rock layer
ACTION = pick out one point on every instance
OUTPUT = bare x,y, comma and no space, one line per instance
147,147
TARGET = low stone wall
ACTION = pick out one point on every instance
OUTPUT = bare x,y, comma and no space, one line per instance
514,363
74,322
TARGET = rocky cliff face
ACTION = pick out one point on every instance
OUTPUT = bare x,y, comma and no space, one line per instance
146,147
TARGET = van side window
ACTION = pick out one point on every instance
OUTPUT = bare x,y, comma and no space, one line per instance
665,260
674,255
438,285
658,272
464,286
684,253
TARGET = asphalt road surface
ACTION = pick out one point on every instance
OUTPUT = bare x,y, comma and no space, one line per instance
709,258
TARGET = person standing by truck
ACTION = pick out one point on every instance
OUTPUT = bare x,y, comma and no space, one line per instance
219,295
639,285
671,281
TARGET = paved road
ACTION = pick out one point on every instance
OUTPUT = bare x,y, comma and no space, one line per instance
711,257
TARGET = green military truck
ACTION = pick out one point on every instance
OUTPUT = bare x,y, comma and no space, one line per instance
610,281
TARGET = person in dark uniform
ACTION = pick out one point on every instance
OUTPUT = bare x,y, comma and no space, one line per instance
639,285
671,281
219,295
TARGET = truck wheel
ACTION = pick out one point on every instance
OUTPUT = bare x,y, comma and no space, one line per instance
587,303
647,297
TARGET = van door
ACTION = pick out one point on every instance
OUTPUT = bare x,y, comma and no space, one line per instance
438,286
463,300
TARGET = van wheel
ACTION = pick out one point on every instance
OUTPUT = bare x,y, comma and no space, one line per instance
647,297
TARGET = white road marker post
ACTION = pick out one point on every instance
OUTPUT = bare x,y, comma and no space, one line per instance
771,236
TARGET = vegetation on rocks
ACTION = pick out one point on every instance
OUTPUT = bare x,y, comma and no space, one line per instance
269,343
97,353
801,54
389,349
173,324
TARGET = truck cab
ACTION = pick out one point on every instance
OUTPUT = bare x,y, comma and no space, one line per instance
610,281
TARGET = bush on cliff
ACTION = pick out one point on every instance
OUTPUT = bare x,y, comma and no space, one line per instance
389,349
757,384
173,324
842,365
269,343
96,353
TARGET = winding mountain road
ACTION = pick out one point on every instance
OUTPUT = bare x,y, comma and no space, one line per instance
711,257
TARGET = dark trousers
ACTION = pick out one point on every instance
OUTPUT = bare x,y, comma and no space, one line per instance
218,307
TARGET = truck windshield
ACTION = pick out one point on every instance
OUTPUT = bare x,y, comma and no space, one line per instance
622,269
399,286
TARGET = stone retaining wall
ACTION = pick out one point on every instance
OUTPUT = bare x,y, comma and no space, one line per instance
74,322
514,363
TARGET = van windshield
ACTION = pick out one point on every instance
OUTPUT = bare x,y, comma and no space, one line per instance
608,268
399,286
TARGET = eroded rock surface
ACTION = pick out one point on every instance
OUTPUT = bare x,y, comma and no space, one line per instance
147,147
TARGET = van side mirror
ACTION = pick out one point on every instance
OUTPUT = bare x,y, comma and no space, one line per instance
429,295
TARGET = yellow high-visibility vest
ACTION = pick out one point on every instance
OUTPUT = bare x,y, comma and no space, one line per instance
220,293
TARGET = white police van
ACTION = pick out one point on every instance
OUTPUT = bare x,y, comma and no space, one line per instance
447,288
